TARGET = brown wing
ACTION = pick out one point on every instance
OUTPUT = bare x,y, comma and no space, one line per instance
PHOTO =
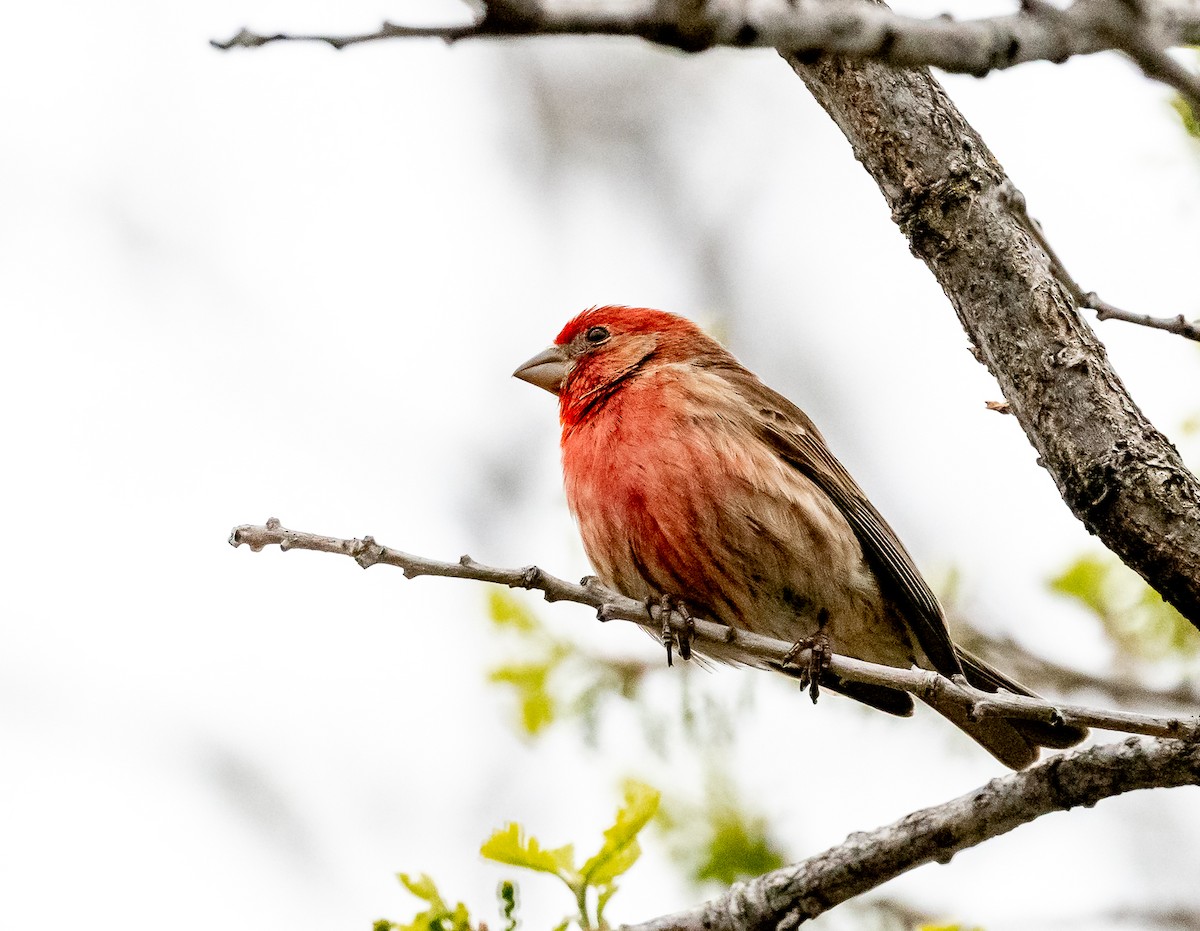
795,438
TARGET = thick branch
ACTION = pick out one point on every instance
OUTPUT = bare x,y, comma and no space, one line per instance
789,896
1118,474
850,28
751,648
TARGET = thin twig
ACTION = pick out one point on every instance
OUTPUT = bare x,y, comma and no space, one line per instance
1016,203
752,649
247,39
787,897
850,28
1138,35
1040,674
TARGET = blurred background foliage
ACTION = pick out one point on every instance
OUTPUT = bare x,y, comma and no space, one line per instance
1190,120
716,836
1135,618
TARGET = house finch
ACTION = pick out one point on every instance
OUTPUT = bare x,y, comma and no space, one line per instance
693,480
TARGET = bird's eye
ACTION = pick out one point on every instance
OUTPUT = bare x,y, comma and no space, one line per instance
596,334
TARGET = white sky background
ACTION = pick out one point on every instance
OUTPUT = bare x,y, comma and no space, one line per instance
293,282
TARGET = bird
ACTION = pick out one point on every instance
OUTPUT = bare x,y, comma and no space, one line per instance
695,485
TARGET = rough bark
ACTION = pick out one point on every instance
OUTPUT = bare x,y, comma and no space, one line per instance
1116,472
787,897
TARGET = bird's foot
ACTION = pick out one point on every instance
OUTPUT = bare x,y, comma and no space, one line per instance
689,631
819,652
667,604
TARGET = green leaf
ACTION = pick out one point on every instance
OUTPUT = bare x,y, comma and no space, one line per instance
460,918
507,611
423,887
1190,119
1134,616
1191,123
1164,631
508,845
1084,580
438,917
621,849
719,840
737,848
538,707
946,928
554,679
602,896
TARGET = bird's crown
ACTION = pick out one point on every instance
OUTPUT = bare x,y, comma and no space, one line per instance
621,319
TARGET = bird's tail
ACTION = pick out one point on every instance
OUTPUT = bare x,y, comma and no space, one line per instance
1014,743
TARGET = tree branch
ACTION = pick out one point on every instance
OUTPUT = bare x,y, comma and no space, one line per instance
1116,472
792,895
1119,475
1137,34
1015,201
849,28
1041,674
750,648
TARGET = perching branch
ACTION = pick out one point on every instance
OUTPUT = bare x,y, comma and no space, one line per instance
1015,201
792,895
751,648
1041,674
850,28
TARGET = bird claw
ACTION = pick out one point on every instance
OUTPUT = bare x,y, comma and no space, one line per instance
818,662
689,631
667,604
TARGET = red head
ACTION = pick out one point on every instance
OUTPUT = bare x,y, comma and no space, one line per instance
603,347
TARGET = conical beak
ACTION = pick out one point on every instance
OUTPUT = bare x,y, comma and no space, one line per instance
547,369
